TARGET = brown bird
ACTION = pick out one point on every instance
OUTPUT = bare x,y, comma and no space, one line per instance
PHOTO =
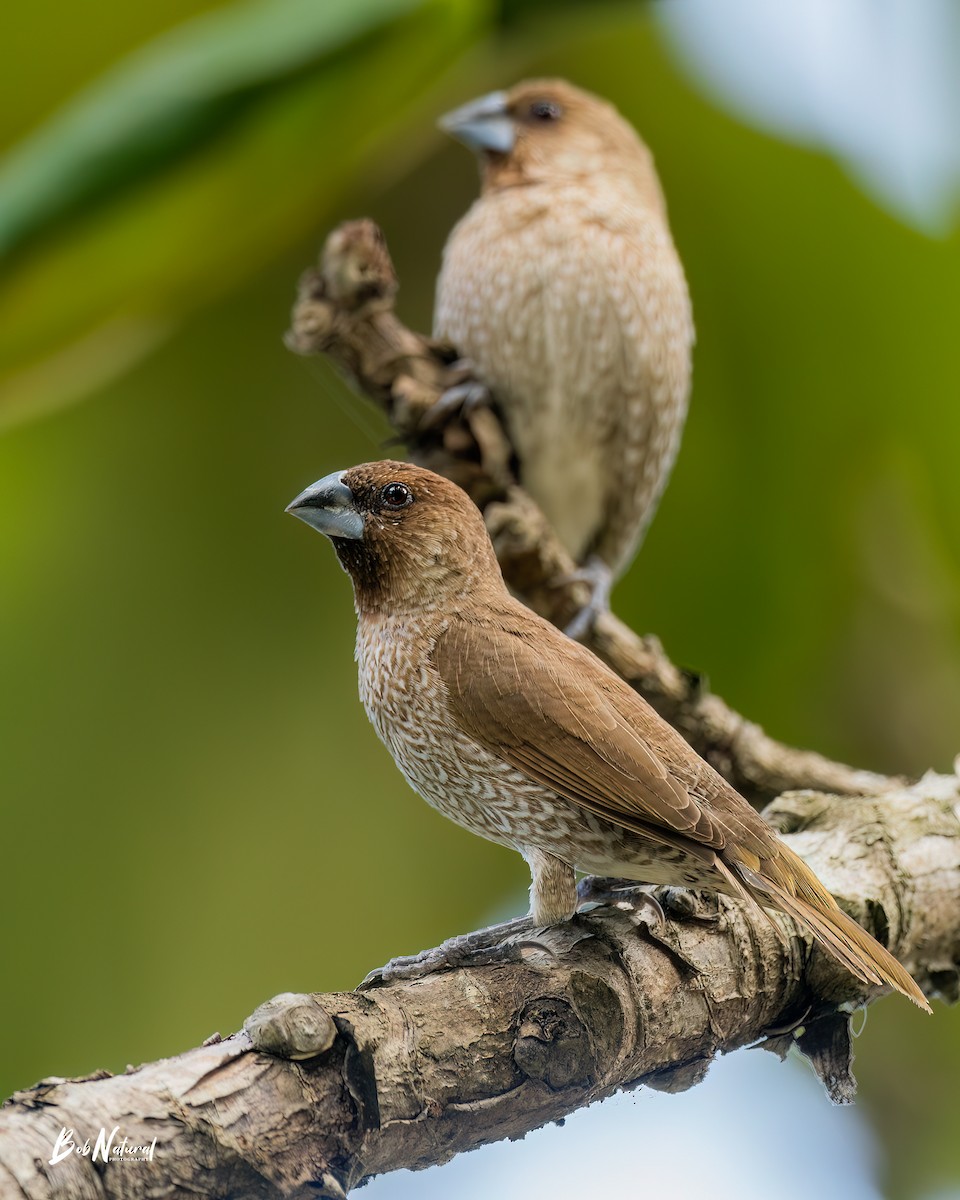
525,737
562,286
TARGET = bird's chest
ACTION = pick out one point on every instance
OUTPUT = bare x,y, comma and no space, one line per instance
399,691
558,310
512,295
407,704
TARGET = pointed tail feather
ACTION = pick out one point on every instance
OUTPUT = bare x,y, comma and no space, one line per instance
799,894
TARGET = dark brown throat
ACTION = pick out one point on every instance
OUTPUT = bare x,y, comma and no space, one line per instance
368,570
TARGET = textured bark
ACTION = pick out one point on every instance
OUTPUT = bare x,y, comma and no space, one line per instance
345,310
320,1092
409,1073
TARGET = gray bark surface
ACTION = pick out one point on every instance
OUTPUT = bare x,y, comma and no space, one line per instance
320,1092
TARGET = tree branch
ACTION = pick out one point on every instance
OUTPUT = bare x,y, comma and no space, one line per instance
321,1092
345,309
409,1073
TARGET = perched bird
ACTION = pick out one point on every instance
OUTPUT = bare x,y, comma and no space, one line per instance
562,286
525,737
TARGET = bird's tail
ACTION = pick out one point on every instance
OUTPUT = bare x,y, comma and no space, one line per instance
788,884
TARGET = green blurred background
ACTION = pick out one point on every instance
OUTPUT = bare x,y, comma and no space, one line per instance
195,812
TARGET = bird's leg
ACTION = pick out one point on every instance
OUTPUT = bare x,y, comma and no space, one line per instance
600,577
553,888
593,890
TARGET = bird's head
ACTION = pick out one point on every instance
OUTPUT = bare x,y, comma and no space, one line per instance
409,539
548,131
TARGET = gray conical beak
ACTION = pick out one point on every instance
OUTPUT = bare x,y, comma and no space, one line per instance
483,124
330,507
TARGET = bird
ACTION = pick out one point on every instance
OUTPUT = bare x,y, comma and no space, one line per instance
525,737
562,287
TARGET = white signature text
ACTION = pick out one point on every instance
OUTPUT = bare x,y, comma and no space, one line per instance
105,1148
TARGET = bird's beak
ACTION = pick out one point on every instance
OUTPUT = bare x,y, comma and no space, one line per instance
483,124
329,506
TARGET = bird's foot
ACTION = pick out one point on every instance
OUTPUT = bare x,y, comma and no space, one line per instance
600,577
596,890
688,904
460,398
515,941
497,944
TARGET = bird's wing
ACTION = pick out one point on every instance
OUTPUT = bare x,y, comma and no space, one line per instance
553,711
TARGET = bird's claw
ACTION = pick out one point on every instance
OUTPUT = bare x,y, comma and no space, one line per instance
468,950
687,904
600,577
599,890
412,966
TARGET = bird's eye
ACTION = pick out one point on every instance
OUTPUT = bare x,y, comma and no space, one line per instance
396,495
545,110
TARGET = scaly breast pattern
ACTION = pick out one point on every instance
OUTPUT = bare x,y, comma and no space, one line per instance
573,305
406,702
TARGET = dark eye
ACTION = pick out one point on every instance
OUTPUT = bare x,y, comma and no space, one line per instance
545,110
396,495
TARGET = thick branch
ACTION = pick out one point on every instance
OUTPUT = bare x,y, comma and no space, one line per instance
410,1073
321,1092
345,310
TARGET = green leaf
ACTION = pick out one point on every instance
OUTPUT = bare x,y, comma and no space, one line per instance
169,97
234,156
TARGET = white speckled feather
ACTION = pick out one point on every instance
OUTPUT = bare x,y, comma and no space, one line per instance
571,301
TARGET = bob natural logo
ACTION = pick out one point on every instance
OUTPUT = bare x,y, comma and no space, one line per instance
105,1148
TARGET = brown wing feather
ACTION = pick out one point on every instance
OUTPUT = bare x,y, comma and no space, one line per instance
551,709
554,711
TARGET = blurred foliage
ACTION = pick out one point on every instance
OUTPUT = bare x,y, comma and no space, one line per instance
189,166
196,814
178,94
